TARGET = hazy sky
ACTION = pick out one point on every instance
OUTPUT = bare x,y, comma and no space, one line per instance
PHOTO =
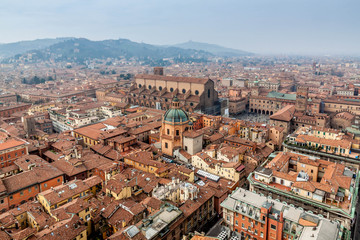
260,26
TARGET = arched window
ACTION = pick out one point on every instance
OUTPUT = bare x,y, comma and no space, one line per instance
160,88
171,89
149,86
197,92
139,85
183,91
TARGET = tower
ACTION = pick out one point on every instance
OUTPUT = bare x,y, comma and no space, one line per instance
158,71
301,98
174,123
29,125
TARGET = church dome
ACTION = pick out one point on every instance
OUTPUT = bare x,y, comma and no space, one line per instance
176,114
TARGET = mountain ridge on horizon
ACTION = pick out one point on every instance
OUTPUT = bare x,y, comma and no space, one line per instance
213,48
121,46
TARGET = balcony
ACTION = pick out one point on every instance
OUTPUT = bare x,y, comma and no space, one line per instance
346,210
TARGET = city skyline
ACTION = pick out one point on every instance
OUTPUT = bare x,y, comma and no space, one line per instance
262,27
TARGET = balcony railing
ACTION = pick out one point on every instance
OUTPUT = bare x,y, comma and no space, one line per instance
327,207
328,155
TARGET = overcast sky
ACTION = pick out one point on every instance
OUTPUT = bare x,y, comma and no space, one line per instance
260,26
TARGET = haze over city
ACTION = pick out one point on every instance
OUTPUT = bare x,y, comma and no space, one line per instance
179,120
264,27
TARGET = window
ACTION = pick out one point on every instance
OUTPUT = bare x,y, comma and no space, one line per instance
21,193
208,93
139,85
29,189
11,197
186,148
183,91
1,201
242,225
308,193
197,92
171,89
261,234
45,184
242,217
168,131
166,145
236,222
58,180
160,88
177,132
273,226
149,86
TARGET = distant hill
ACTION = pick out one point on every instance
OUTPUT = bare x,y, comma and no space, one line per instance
213,48
80,49
11,49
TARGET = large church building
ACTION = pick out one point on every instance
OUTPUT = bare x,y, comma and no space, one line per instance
157,91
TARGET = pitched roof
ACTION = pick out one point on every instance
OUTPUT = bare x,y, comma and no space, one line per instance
284,114
173,79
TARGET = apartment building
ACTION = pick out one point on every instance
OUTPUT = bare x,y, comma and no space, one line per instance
10,149
317,185
324,142
255,216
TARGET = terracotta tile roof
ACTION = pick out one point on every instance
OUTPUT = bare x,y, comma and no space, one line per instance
190,206
37,175
145,158
23,234
122,139
65,191
284,114
322,141
66,229
239,140
11,143
192,134
185,154
8,169
173,79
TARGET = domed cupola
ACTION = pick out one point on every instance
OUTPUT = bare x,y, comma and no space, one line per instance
175,114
